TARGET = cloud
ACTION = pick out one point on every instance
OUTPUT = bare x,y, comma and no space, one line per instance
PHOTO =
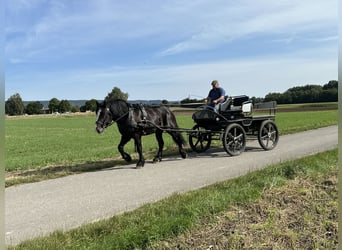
47,30
169,48
279,18
249,76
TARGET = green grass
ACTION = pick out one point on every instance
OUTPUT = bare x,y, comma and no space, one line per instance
177,214
67,140
37,142
293,122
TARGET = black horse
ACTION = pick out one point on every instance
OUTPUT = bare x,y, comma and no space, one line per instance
136,120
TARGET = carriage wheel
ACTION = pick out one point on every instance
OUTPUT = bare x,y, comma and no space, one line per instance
199,140
268,135
234,139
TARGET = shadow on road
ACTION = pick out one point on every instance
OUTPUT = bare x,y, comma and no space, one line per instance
51,172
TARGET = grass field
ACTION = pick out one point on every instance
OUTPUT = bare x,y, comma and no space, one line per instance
292,205
66,140
37,142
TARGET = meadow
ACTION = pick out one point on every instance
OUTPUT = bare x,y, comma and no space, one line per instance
67,140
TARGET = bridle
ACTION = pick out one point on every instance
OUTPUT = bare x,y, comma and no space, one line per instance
103,124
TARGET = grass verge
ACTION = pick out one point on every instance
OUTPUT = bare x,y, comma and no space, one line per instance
153,223
302,214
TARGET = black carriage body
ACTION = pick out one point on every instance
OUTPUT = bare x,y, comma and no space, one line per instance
252,123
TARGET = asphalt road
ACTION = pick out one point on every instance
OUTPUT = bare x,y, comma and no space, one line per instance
37,209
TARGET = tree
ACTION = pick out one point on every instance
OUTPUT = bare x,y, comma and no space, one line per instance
256,99
272,97
54,105
333,84
116,94
188,100
64,106
75,109
34,108
90,105
14,105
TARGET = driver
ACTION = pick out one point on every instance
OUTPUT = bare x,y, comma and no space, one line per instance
216,95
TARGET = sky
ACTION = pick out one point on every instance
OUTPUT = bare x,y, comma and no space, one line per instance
171,49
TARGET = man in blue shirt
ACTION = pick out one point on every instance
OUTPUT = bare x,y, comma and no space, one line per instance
216,94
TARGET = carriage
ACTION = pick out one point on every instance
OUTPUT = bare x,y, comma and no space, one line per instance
234,122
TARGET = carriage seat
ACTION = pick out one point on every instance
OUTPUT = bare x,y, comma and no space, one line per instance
233,103
225,104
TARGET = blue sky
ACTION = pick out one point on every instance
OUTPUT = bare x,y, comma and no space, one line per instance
81,49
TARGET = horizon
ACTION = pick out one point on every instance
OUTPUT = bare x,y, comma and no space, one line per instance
154,100
167,50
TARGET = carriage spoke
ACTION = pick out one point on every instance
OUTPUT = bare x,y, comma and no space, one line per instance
267,141
199,140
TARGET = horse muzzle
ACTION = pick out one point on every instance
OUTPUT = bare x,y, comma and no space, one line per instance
99,129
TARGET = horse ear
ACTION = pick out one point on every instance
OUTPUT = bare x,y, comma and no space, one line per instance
100,104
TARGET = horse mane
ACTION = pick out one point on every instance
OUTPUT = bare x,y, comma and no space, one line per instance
121,106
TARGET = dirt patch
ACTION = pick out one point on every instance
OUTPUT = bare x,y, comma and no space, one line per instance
300,215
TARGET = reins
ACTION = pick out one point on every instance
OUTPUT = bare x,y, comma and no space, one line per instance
122,116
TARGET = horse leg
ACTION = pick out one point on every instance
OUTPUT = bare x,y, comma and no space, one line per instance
137,140
179,140
159,136
123,141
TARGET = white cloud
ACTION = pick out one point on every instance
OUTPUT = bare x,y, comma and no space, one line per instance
250,76
40,32
280,17
185,25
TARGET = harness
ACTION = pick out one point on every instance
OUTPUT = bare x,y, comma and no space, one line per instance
142,123
143,112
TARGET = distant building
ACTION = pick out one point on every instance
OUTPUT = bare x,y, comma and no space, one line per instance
45,110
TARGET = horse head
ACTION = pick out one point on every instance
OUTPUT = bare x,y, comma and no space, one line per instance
104,117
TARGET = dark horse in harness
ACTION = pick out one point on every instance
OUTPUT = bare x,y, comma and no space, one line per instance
135,121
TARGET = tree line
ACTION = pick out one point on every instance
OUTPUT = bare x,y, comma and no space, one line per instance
309,93
306,94
15,105
301,94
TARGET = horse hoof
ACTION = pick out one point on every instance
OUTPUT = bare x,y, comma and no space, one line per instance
184,155
140,164
127,158
157,159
